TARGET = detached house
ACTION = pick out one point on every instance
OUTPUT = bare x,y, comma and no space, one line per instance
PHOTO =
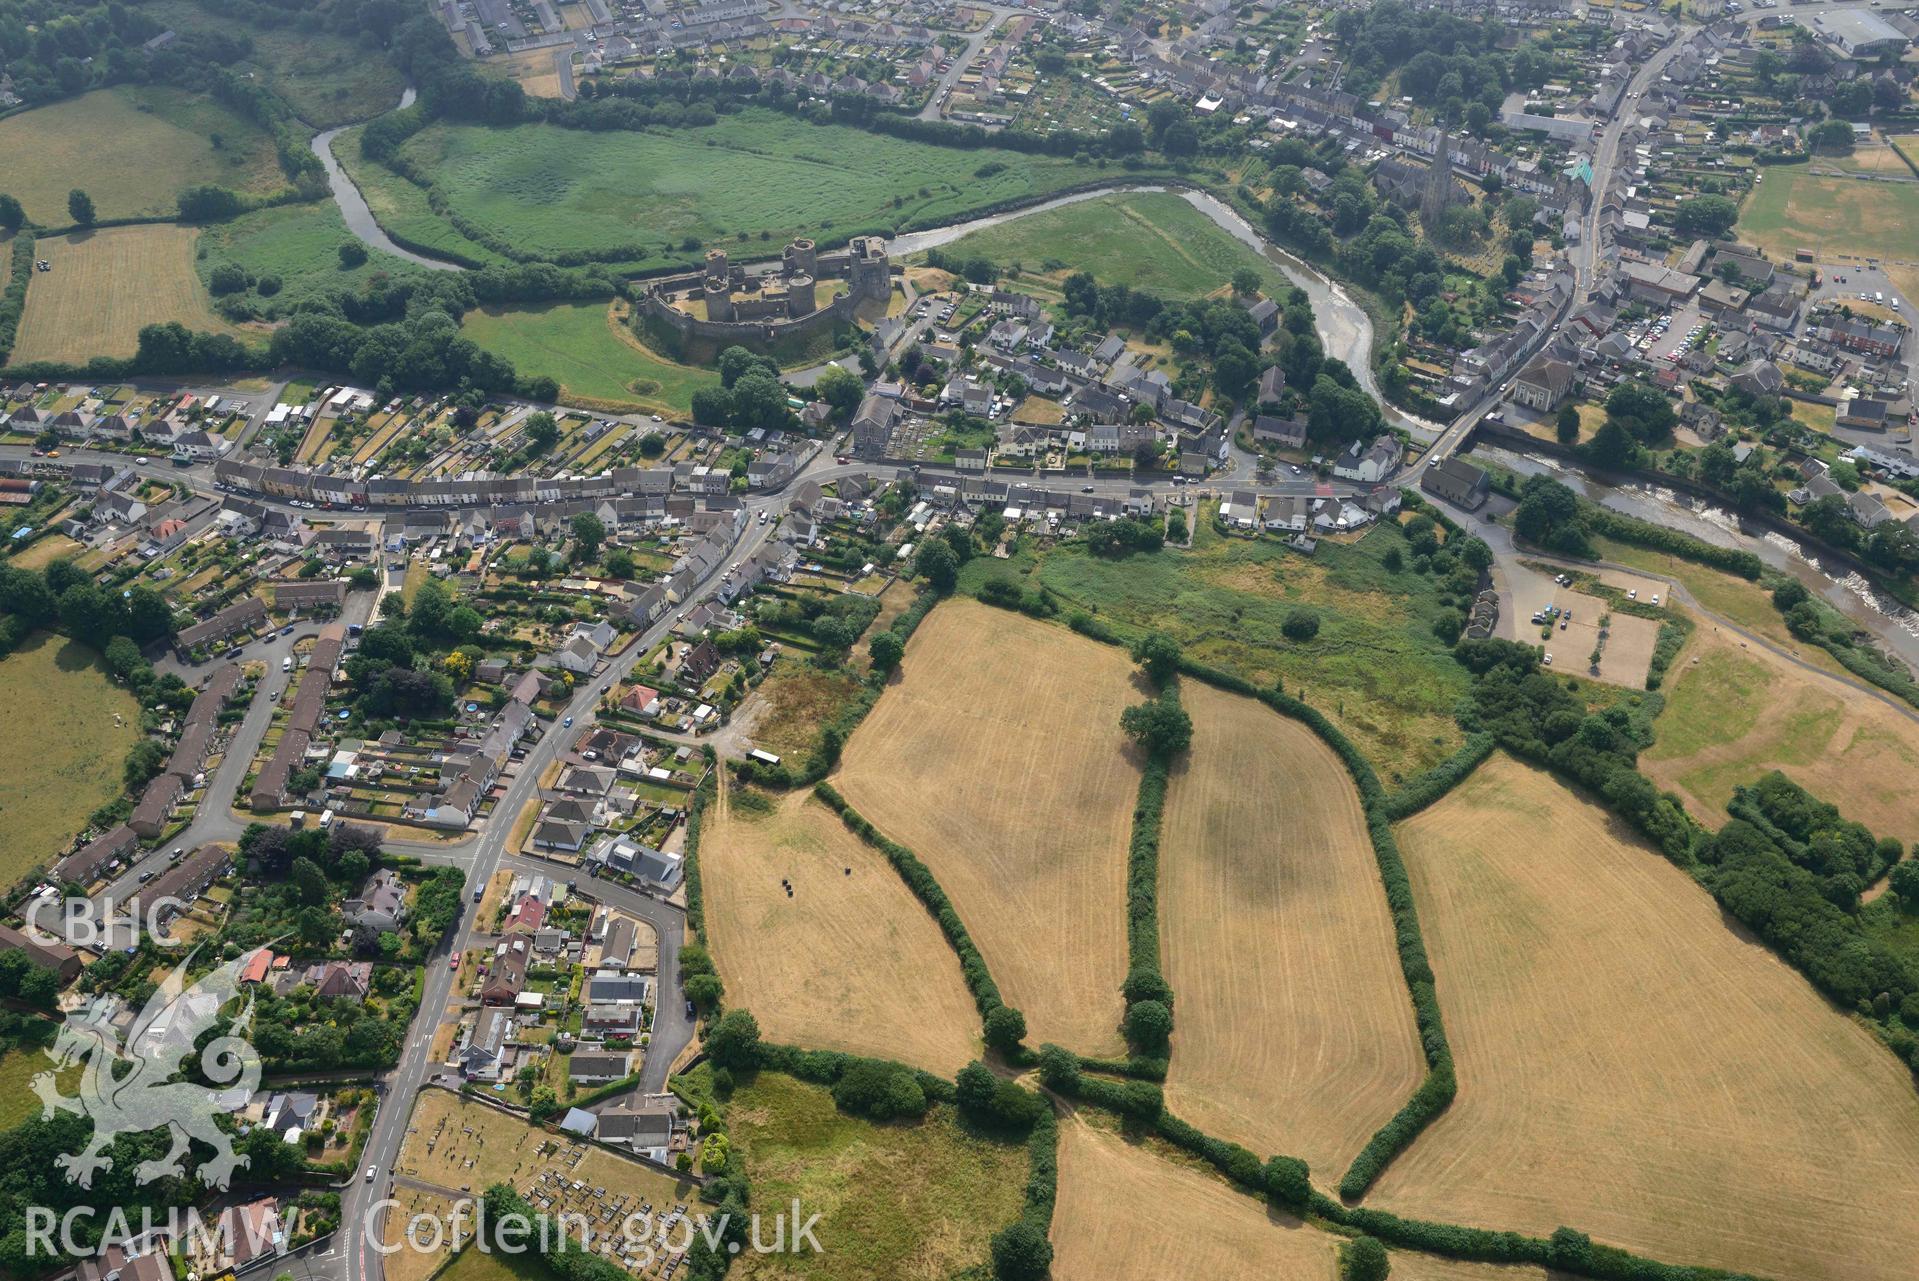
1374,463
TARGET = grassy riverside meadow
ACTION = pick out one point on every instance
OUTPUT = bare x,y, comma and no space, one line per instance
301,245
401,208
1150,240
133,149
72,731
758,175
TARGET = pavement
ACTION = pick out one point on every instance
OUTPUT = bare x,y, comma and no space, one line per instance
936,102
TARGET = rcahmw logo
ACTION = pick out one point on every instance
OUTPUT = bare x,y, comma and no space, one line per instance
127,1088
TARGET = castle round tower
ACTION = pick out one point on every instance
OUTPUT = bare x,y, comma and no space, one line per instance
719,296
799,295
801,259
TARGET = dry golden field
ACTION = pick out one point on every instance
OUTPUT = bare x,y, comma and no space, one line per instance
849,963
104,286
997,757
1735,711
1124,1214
1431,1267
1633,1067
1295,1032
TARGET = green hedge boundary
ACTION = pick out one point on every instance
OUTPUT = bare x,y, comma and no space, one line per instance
1140,1107
695,820
1424,789
1145,977
926,887
14,301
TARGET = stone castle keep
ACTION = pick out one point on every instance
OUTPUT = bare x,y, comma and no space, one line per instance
764,302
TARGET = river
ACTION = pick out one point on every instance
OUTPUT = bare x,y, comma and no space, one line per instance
353,207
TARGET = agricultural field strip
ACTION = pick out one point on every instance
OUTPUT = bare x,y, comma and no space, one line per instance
1696,1100
1295,1032
999,761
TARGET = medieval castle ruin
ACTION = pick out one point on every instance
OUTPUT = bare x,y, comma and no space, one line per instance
764,302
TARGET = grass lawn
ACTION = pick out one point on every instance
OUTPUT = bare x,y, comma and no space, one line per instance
133,149
1154,241
593,357
642,193
18,1102
298,243
68,765
906,1200
495,1265
1815,417
1375,666
1793,210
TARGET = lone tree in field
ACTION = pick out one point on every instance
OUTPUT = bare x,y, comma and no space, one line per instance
352,254
1301,625
80,207
1158,653
1246,282
1160,727
12,216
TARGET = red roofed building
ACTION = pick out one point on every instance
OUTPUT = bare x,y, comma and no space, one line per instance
527,915
255,970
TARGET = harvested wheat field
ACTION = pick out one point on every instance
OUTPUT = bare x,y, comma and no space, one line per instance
1631,1066
849,962
1125,1214
1431,1267
997,757
1295,1031
104,286
1735,711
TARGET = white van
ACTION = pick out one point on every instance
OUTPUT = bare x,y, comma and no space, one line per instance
286,664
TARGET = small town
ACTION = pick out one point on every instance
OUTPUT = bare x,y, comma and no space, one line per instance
954,638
